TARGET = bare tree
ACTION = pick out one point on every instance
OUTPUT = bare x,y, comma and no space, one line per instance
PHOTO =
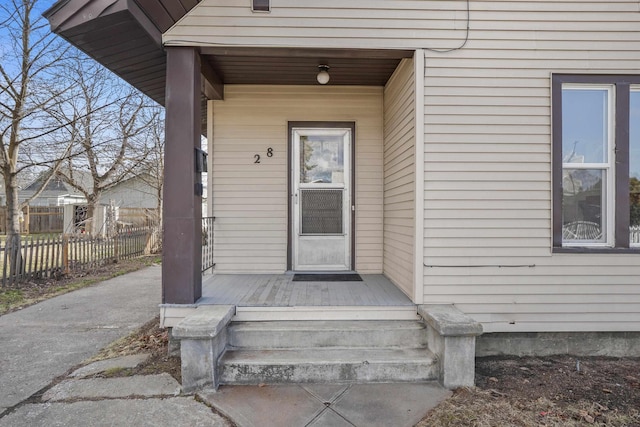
30,56
153,164
106,122
153,167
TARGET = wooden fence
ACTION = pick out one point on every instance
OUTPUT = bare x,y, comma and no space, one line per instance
50,219
54,256
36,219
138,217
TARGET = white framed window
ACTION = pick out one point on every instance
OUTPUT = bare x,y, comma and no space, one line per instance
596,162
587,165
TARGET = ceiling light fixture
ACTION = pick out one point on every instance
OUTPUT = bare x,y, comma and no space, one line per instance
323,74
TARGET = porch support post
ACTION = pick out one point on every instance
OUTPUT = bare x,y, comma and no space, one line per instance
182,204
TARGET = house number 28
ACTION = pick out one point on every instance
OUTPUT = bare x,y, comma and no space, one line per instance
257,156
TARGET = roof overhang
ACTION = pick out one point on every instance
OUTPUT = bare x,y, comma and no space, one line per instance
118,34
126,37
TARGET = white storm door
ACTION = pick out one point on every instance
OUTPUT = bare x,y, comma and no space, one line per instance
321,199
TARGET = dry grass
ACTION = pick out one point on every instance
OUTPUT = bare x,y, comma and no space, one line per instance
148,339
489,408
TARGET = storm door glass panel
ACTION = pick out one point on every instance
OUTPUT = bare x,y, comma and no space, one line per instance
634,167
586,169
321,211
321,159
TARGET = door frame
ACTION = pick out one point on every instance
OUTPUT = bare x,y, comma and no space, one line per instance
352,216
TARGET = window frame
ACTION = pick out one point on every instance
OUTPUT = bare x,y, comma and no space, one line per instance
633,88
607,167
618,223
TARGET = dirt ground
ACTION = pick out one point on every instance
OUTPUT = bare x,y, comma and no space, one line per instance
612,383
546,391
148,339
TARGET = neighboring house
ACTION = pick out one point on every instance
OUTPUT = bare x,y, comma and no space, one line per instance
475,153
135,192
134,199
56,193
134,202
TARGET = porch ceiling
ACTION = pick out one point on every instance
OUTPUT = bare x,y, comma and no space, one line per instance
282,66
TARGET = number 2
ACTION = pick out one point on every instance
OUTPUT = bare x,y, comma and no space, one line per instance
257,157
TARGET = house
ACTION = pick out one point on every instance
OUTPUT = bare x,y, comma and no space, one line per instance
135,192
475,156
135,198
56,192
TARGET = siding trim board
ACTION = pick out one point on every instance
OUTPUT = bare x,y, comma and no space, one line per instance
399,168
418,263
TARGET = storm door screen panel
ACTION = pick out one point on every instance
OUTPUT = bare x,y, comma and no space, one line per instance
321,212
322,199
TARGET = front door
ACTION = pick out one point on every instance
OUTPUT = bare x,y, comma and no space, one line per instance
321,198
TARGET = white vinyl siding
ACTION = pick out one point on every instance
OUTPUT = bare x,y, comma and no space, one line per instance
250,200
488,169
138,192
399,177
379,24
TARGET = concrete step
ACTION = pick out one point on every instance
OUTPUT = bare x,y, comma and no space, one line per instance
323,365
321,334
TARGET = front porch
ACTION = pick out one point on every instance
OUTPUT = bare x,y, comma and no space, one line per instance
262,297
268,328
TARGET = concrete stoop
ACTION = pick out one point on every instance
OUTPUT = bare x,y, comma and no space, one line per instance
332,351
216,350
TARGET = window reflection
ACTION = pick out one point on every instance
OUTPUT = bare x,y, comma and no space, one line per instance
584,125
582,205
321,159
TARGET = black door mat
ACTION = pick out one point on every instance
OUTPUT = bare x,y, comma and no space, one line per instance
332,277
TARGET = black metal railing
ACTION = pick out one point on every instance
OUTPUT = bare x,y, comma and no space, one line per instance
207,243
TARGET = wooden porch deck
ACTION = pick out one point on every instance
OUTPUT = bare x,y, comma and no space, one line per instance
264,297
278,290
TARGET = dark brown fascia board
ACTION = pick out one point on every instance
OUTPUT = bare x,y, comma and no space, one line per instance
175,9
145,23
212,85
67,17
308,53
75,13
157,13
67,12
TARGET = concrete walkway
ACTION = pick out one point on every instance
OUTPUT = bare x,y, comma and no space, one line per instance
327,405
43,341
